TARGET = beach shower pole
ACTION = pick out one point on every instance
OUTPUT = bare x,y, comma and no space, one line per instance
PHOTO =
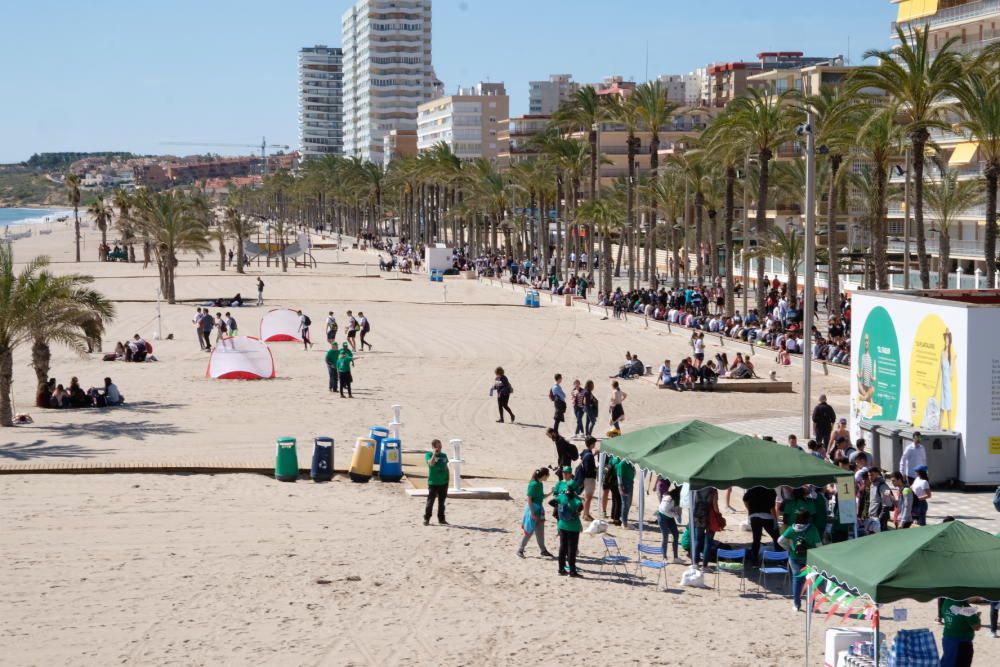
159,328
396,423
456,463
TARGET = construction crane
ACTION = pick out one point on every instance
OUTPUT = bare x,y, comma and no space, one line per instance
263,148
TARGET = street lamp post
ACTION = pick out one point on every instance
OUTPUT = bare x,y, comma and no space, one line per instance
745,270
906,225
809,270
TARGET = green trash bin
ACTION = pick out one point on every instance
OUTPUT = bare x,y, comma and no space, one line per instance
286,462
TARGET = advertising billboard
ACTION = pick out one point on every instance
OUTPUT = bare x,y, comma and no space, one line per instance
932,362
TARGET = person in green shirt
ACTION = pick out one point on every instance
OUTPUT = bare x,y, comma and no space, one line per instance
610,488
567,484
961,620
437,480
626,482
798,502
569,524
797,540
344,363
534,513
332,355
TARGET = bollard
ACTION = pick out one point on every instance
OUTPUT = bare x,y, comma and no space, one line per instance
456,463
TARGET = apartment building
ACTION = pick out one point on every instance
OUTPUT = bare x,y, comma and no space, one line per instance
469,121
515,138
398,144
387,71
321,107
727,81
975,24
545,97
682,89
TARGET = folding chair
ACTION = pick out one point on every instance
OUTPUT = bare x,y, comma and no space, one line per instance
659,563
778,565
731,560
613,558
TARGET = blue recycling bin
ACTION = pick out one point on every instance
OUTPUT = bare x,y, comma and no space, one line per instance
378,434
534,299
322,462
390,465
437,275
527,298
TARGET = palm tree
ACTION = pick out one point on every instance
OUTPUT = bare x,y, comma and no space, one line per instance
218,235
655,111
837,115
123,202
63,309
102,216
761,122
790,247
624,111
240,229
947,197
879,142
73,194
978,94
696,171
14,317
607,217
173,226
918,81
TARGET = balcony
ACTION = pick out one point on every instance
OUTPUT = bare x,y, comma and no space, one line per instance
953,15
959,249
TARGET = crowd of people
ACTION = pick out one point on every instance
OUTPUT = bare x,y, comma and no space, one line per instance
56,396
136,350
205,324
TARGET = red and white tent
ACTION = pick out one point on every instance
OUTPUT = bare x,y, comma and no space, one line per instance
240,358
280,324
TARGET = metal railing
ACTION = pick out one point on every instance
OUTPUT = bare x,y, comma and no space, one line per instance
973,10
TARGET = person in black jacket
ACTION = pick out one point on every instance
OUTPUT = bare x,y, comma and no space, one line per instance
566,452
587,474
823,418
503,389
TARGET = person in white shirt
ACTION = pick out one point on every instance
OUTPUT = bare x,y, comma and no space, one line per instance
921,488
914,456
331,328
558,397
111,394
196,320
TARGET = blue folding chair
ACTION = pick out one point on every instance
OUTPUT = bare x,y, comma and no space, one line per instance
731,560
773,562
614,558
644,561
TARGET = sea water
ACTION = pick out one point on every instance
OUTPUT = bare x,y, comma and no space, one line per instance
21,216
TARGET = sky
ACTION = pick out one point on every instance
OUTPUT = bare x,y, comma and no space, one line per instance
95,75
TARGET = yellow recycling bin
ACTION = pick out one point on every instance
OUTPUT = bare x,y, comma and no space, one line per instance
363,460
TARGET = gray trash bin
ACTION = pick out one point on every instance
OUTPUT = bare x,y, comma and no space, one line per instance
869,431
943,453
890,447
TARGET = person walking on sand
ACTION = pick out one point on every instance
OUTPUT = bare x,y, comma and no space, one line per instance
260,291
579,407
617,409
196,320
331,329
570,527
558,398
503,389
588,470
222,330
365,328
534,513
332,357
207,324
344,363
304,324
590,407
437,479
352,330
231,325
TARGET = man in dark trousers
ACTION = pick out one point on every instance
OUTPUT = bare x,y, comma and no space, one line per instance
823,419
437,481
566,452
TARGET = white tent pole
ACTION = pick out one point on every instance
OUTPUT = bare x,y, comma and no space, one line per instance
809,613
694,563
642,498
602,459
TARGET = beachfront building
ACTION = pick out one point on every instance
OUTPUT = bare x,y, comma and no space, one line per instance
976,24
514,139
727,81
683,89
398,144
387,71
545,97
321,108
468,122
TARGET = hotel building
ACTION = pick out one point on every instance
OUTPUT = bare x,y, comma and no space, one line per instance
387,71
321,109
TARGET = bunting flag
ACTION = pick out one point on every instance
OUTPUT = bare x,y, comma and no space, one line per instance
853,606
839,598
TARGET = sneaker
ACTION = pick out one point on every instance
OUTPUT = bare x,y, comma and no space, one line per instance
678,561
576,575
520,554
995,635
796,607
499,421
563,573
547,554
427,522
443,522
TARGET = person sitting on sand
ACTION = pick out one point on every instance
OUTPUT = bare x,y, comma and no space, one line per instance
111,394
43,399
77,396
60,397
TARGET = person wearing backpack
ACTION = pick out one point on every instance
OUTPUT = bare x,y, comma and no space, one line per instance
797,540
503,389
626,482
365,329
304,324
566,452
260,292
558,398
570,527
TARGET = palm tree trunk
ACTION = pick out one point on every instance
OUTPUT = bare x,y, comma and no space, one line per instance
727,234
675,267
880,265
76,229
699,223
919,140
833,272
630,222
944,257
990,237
762,232
41,359
222,255
6,379
606,264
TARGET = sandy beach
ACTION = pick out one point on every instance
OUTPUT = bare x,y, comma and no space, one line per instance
240,569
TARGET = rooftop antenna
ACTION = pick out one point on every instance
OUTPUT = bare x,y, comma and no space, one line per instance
848,49
646,77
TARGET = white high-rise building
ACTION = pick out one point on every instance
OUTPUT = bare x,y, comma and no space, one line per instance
683,89
545,97
321,110
387,71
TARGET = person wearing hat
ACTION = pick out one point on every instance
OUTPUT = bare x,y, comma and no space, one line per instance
568,521
566,483
914,456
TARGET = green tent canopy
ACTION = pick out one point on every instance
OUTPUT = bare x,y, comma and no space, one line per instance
951,560
704,455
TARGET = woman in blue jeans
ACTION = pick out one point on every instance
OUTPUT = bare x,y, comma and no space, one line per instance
590,407
579,399
667,517
797,540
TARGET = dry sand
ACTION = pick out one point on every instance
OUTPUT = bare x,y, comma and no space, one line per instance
149,569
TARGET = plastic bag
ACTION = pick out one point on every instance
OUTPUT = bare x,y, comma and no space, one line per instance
693,577
596,527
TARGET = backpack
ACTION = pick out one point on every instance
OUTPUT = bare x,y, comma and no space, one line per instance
799,548
566,511
306,321
552,397
365,328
